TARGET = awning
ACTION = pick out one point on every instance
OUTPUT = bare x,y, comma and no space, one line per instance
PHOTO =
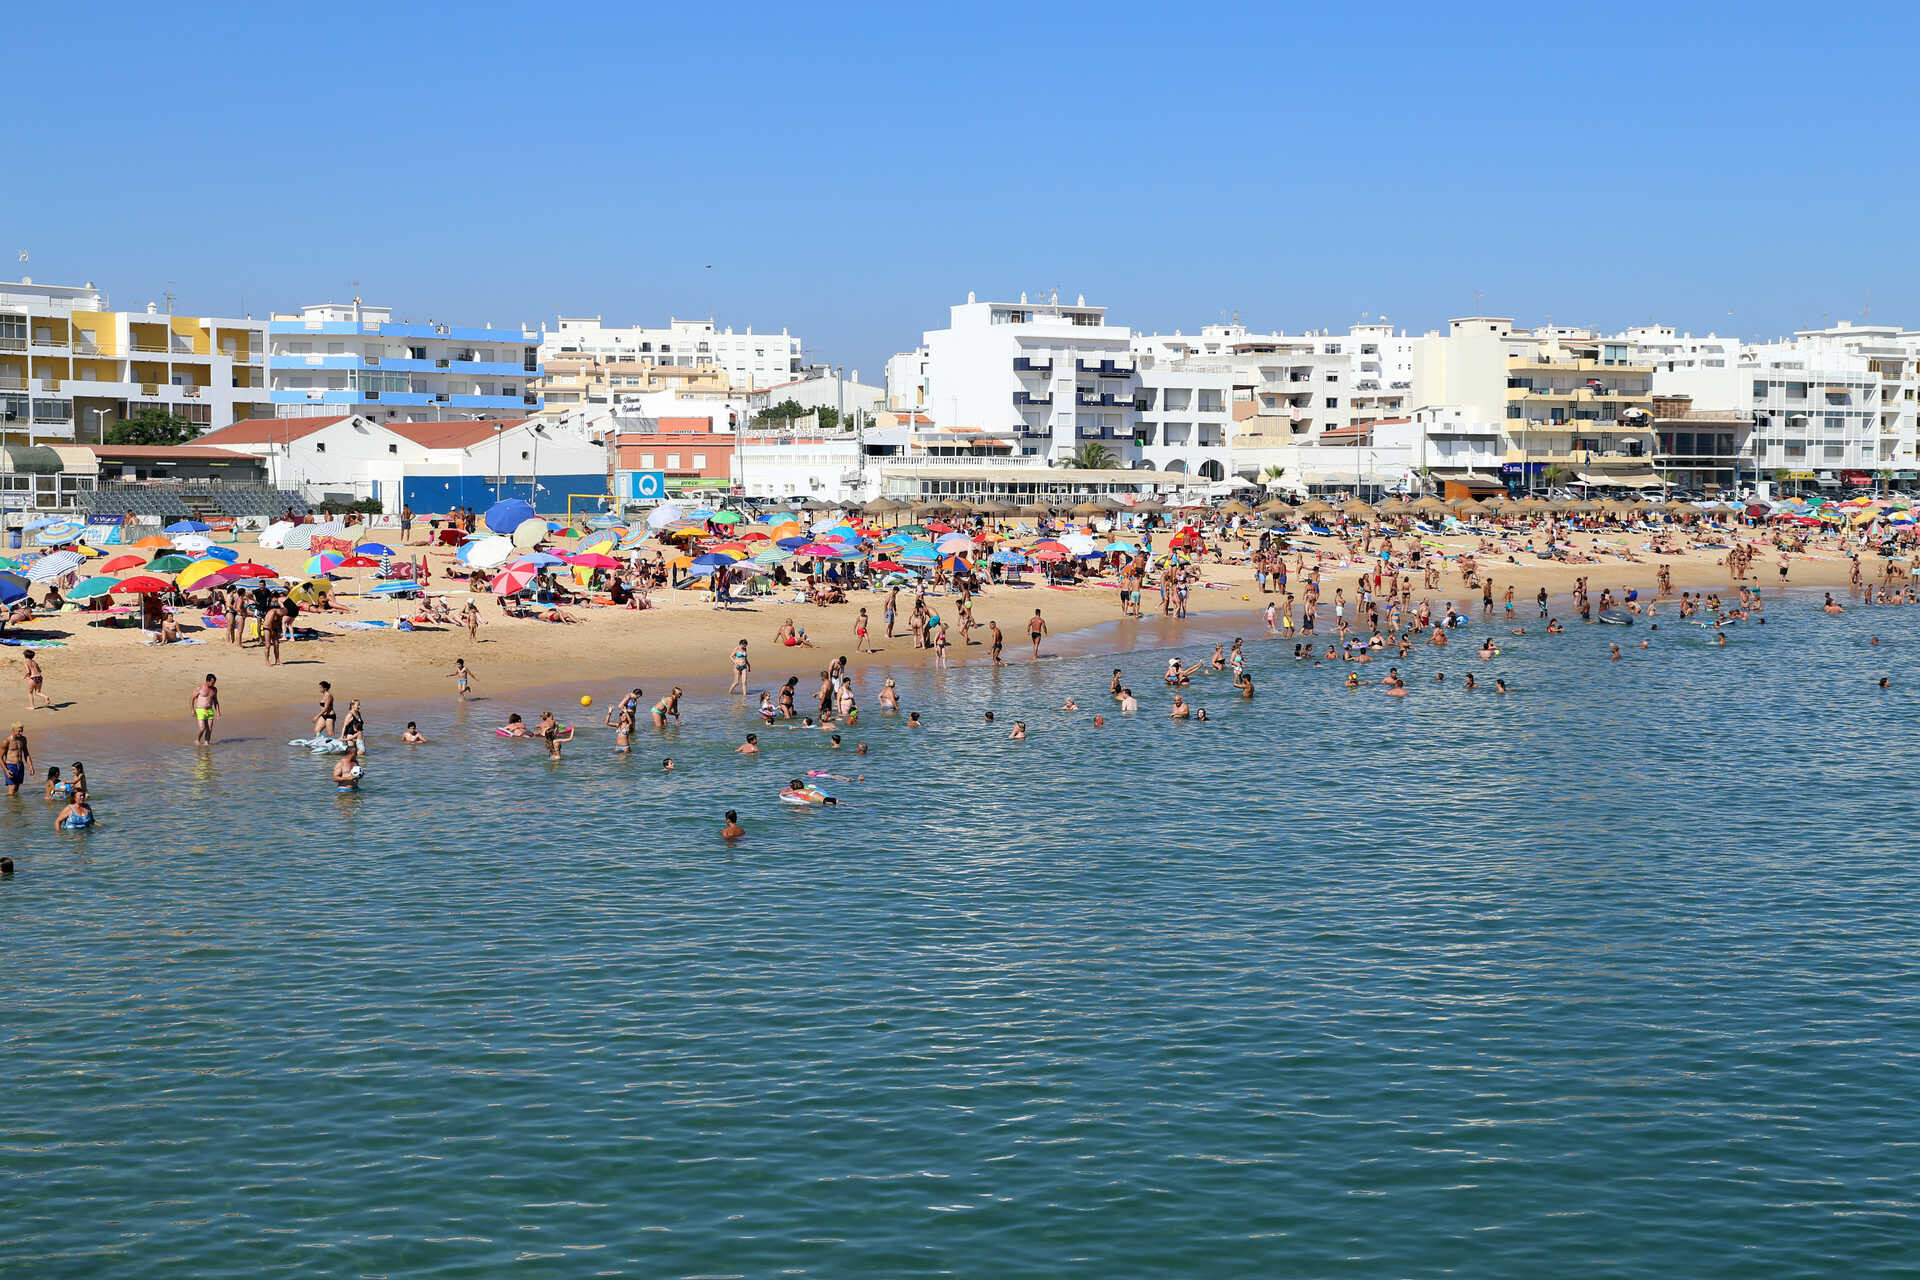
34,460
1906,475
1641,479
1856,477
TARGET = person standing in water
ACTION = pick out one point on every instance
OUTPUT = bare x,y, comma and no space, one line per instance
16,757
741,666
205,705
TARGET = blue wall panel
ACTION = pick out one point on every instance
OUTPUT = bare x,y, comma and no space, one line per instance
548,494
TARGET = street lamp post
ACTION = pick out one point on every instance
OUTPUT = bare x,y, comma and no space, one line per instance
499,459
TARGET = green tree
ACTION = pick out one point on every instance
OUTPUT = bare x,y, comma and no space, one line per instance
1554,475
1273,473
151,425
1091,456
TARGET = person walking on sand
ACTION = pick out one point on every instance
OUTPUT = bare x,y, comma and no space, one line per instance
470,618
1036,629
35,678
205,705
271,627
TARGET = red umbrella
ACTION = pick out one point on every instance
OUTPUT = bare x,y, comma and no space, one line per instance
513,581
357,562
246,569
142,585
889,566
120,563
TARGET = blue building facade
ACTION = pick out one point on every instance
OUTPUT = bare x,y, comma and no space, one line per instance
349,358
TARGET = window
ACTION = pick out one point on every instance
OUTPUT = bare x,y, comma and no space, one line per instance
1332,349
393,448
699,462
673,462
1333,402
646,462
320,446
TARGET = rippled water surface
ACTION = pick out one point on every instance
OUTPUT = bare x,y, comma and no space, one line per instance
1611,976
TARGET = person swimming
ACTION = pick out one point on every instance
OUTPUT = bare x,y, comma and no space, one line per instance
76,815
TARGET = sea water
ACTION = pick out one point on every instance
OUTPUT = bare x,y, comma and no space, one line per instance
1612,975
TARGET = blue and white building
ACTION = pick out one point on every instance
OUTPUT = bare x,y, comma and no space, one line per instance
347,358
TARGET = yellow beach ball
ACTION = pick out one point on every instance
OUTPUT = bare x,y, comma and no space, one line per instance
586,699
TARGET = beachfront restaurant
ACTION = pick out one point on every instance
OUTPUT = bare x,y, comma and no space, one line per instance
1020,485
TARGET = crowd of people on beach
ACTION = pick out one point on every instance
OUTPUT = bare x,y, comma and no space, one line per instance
1371,614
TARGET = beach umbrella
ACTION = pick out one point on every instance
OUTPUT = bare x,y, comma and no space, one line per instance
530,532
604,522
187,526
536,560
593,560
88,588
120,564
398,587
725,517
822,551
247,569
772,555
754,535
665,514
791,544
888,566
143,584
220,553
56,532
513,581
13,587
711,561
192,543
1009,557
272,537
154,540
325,562
1077,544
169,563
488,553
506,516
359,562
373,549
192,576
53,565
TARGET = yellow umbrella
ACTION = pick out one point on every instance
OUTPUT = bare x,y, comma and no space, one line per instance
311,591
199,569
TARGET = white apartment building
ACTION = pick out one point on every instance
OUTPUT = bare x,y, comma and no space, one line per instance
1828,406
1058,376
348,358
907,380
751,360
70,367
1313,382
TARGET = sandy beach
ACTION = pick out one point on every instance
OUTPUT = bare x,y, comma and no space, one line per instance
101,675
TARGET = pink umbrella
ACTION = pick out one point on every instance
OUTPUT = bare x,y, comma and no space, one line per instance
592,560
513,581
821,549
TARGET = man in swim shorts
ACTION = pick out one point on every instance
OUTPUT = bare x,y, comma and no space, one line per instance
205,704
16,757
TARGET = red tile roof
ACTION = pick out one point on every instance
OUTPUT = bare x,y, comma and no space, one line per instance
452,434
268,430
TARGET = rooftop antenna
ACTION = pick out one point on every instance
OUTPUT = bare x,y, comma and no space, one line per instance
169,297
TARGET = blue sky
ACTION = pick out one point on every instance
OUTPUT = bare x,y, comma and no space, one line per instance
849,171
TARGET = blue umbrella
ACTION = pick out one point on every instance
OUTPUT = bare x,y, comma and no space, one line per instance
605,522
505,517
398,588
12,587
58,531
373,549
792,544
1009,557
540,559
221,553
712,560
187,526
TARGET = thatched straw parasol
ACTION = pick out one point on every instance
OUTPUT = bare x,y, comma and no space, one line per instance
1358,510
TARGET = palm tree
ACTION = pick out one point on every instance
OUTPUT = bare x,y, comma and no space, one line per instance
1273,473
1091,457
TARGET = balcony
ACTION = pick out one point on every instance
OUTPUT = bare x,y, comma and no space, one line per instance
13,344
1105,368
1022,364
1021,399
